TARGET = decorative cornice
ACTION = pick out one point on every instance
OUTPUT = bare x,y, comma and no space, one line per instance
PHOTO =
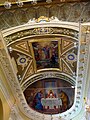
49,74
41,31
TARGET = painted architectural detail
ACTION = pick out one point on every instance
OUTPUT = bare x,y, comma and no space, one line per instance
68,56
66,43
23,46
66,69
21,58
29,71
44,52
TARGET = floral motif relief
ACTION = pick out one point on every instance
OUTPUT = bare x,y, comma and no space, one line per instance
41,31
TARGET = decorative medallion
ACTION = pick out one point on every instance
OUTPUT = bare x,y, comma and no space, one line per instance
71,57
22,61
42,30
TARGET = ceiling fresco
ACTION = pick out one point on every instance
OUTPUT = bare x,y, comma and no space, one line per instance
31,52
50,96
19,60
32,55
47,49
46,61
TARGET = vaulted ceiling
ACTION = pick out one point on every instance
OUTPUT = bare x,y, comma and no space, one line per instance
44,42
24,59
76,12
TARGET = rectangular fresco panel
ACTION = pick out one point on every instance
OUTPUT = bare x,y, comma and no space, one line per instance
46,54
